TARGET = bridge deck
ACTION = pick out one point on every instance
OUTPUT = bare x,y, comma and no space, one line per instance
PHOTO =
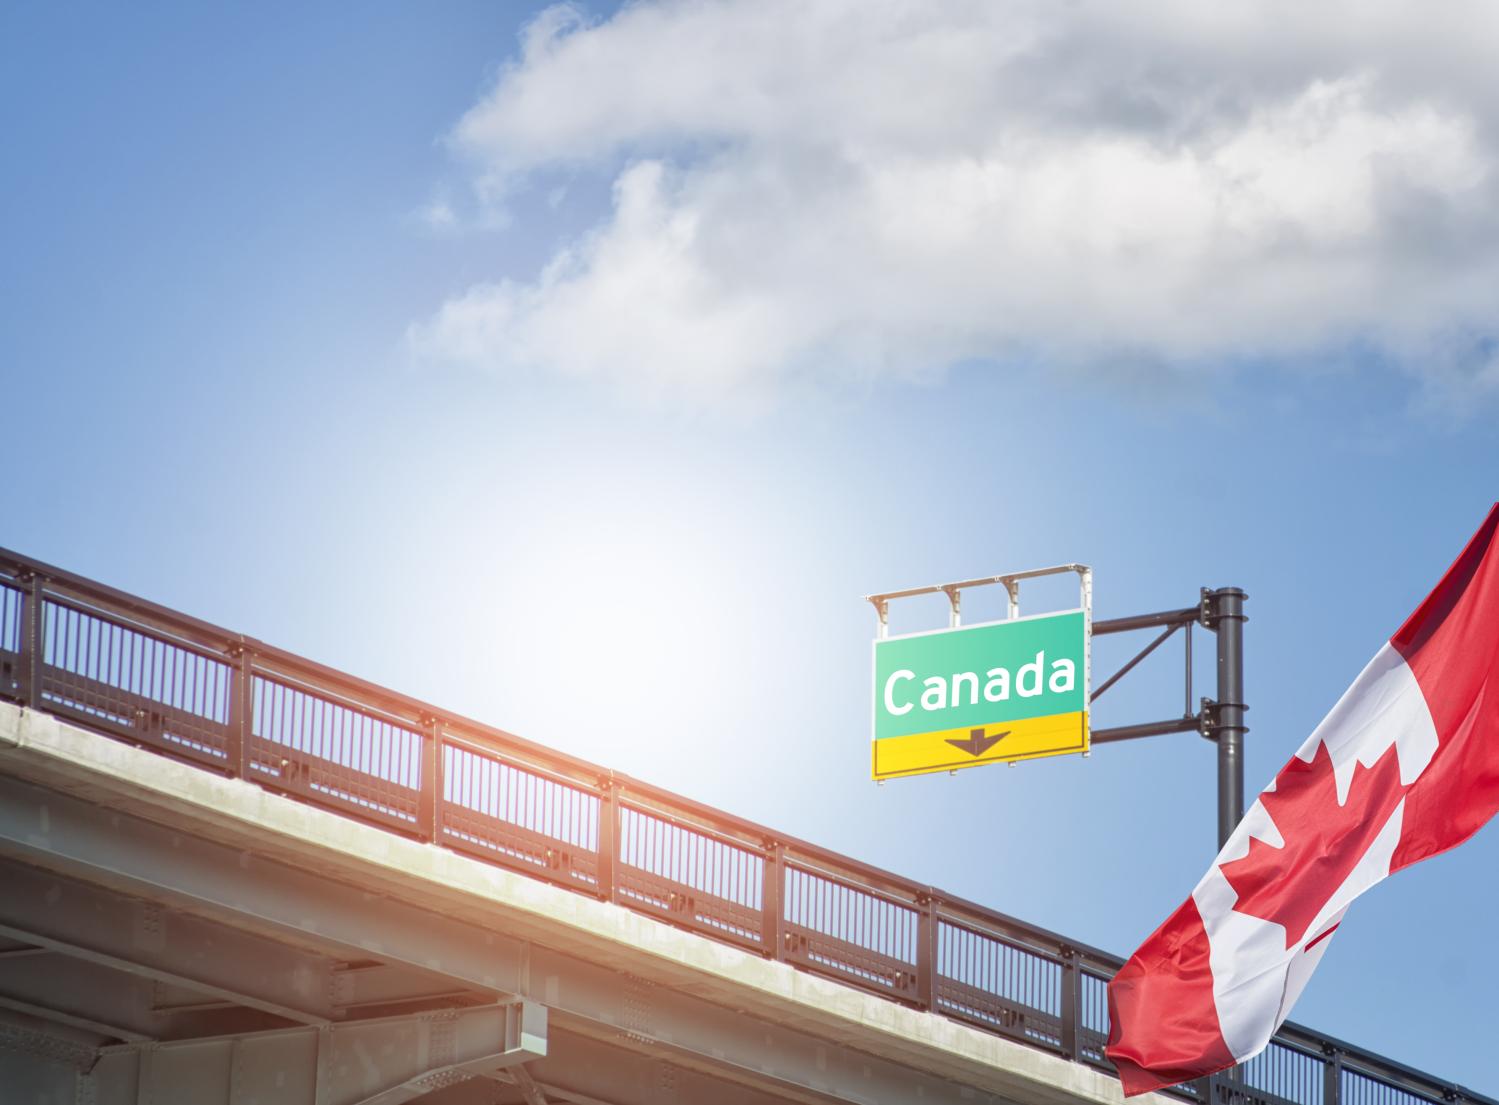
290,903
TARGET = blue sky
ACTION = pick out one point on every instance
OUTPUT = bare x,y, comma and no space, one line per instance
585,389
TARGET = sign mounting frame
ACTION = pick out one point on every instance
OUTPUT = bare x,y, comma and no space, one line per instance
924,752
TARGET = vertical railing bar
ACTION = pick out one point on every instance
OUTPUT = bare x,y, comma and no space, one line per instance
69,657
194,688
161,679
85,625
466,788
56,635
174,681
364,727
158,669
173,695
86,648
383,738
197,675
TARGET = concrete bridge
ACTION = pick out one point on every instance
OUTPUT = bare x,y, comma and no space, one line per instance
229,875
175,936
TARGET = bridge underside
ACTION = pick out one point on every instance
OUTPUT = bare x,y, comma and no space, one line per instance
158,942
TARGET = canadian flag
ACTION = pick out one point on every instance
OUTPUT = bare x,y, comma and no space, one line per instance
1405,766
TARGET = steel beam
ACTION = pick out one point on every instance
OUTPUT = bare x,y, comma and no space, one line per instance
1146,621
200,965
115,1005
169,998
81,995
1148,729
47,1012
48,1041
73,1045
596,999
41,1061
384,1061
143,939
382,984
587,1072
580,1071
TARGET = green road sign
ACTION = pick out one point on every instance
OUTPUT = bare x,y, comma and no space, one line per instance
978,694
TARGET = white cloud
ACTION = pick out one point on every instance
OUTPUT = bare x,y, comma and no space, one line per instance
438,214
879,187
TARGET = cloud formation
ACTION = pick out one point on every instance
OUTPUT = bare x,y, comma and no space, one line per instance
867,188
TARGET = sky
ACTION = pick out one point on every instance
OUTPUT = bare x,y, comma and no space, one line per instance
580,368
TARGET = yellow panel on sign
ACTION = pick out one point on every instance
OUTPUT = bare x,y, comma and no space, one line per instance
950,749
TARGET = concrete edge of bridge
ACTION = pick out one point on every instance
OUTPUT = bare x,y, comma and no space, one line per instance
45,750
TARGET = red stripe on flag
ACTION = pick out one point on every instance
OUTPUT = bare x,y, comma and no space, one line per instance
1451,644
1161,1009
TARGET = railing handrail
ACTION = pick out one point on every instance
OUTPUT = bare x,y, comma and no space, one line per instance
422,717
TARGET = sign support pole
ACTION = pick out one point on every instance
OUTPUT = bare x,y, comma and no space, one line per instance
1225,616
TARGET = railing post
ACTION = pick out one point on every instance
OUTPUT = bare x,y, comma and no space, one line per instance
1071,1010
241,707
428,821
1332,1076
608,859
772,901
33,630
926,952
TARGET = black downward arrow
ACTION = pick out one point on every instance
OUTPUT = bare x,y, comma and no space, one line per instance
976,744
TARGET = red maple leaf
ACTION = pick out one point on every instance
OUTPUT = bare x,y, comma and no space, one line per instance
1323,840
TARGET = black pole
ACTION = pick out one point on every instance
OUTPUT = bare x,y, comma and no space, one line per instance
1225,616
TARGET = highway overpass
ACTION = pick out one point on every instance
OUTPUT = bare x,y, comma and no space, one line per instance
231,875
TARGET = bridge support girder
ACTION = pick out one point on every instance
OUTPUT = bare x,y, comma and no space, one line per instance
73,918
383,1061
